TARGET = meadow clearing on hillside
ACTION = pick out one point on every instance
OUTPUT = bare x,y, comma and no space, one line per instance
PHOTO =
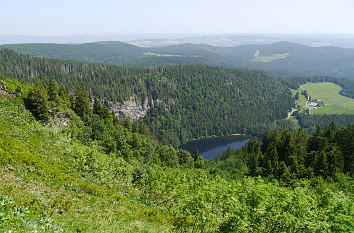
270,58
329,94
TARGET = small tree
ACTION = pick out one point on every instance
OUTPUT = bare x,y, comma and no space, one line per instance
198,160
97,107
82,105
52,91
37,102
63,96
185,158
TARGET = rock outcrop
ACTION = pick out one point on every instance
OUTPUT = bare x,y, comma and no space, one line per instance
4,91
130,108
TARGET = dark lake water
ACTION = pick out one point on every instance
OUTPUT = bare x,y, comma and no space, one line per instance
209,147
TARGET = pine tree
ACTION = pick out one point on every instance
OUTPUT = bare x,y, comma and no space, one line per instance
37,102
330,134
335,161
82,105
287,148
97,107
316,142
253,146
301,144
321,164
64,96
271,159
127,123
106,114
198,160
52,91
283,173
185,159
115,118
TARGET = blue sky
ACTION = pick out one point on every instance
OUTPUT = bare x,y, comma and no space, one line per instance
69,17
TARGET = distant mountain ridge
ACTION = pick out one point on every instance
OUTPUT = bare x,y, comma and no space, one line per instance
280,58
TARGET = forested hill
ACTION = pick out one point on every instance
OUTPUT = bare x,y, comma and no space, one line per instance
281,58
183,102
112,52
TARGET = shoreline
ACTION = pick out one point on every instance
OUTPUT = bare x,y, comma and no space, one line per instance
238,134
215,136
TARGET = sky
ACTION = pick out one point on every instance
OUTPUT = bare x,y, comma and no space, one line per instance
79,17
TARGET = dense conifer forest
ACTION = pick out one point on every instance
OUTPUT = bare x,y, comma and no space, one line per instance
186,101
282,58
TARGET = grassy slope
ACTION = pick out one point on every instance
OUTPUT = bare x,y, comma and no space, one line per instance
269,58
43,189
329,94
47,185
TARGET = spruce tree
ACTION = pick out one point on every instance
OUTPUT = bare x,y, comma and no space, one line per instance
97,107
321,164
115,118
198,160
63,96
106,114
52,91
37,102
82,105
316,142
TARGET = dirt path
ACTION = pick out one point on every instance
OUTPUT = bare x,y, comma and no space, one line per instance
291,112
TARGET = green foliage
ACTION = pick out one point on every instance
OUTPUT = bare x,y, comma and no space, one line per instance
72,179
347,85
185,102
37,101
309,122
198,160
281,58
285,155
82,105
53,91
327,96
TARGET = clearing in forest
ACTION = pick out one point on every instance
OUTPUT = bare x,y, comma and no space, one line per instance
328,93
269,58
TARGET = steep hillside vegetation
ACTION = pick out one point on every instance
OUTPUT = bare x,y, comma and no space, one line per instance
181,102
72,178
281,58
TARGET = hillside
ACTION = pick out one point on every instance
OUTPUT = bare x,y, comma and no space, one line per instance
178,103
104,52
280,58
71,178
328,99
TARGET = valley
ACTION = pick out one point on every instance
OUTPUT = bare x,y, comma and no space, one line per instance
178,103
72,178
177,116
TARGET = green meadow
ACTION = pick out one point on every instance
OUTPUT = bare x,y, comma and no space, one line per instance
329,94
161,55
270,58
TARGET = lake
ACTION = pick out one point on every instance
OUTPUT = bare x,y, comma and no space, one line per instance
209,147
